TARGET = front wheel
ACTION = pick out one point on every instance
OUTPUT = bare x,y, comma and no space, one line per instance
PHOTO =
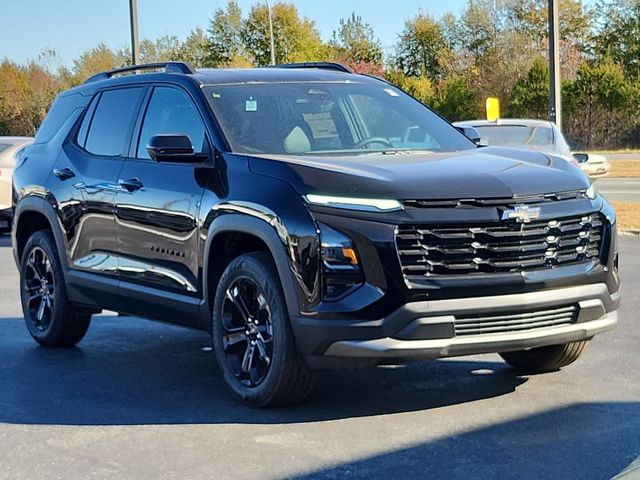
51,319
545,359
252,337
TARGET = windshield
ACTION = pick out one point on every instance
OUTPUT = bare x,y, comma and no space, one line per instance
514,135
4,146
294,118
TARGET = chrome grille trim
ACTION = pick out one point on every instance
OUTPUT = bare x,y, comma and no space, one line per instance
499,247
496,202
515,321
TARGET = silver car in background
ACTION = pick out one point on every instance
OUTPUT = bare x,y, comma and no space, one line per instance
10,147
540,135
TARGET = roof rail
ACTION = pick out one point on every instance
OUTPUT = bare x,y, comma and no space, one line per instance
322,65
169,67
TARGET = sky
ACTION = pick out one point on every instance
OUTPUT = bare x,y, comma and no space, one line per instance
29,27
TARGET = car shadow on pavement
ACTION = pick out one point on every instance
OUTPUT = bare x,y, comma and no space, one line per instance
579,441
5,240
129,371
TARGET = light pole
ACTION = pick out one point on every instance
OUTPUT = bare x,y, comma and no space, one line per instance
555,100
135,45
273,55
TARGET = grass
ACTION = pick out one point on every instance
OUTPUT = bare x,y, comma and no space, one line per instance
625,169
628,214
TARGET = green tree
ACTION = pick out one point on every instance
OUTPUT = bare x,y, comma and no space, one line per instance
93,61
227,46
296,39
456,101
421,47
355,42
196,49
619,33
530,96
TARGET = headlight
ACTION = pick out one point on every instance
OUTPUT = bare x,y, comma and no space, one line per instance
364,204
341,270
592,193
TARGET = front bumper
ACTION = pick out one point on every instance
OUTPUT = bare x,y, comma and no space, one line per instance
427,329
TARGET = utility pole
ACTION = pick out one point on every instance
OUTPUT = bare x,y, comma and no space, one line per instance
135,44
555,100
273,54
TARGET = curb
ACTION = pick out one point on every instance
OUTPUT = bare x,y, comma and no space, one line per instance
631,231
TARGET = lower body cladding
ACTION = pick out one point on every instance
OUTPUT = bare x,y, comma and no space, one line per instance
464,326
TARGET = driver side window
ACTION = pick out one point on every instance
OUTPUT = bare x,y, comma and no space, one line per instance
171,111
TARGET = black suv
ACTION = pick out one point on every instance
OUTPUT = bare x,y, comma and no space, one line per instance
309,218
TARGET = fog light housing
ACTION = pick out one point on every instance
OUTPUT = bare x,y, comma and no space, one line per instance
341,271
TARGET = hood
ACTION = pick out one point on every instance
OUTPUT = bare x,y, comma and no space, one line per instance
487,172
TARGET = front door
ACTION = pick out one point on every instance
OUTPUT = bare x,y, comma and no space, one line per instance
157,209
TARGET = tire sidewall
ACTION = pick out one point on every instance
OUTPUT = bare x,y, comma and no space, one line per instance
256,269
44,240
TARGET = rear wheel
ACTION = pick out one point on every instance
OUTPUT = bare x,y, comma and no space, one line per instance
545,359
252,337
51,319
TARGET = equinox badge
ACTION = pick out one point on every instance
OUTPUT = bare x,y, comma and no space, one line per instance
521,214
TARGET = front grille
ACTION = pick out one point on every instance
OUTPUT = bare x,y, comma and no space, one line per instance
514,322
497,202
502,247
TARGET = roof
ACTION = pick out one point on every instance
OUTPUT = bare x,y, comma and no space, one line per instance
529,122
274,74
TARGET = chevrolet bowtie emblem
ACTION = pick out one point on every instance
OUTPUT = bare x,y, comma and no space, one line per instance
521,214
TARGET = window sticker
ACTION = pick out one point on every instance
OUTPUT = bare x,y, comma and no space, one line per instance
321,125
391,93
251,105
215,95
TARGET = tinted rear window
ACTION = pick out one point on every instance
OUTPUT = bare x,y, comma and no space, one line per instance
112,121
515,135
60,111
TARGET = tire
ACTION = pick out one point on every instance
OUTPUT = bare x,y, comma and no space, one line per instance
545,359
249,307
51,319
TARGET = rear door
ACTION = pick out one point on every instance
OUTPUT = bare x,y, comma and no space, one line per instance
86,175
157,216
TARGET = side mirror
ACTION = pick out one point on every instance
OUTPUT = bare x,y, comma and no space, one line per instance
471,133
172,148
581,157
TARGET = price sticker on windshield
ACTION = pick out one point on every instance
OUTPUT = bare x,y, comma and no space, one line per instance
251,105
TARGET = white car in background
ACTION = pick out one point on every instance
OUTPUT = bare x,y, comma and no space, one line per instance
594,165
540,135
10,147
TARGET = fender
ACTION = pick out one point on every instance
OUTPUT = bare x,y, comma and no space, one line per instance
260,228
41,204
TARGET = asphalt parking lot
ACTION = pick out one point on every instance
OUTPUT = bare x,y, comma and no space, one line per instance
623,189
139,400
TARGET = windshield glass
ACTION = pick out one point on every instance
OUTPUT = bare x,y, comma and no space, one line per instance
515,135
294,118
4,146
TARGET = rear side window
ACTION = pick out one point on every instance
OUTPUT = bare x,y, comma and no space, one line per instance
59,113
171,111
112,121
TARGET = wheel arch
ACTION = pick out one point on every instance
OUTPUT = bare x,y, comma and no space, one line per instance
33,214
249,229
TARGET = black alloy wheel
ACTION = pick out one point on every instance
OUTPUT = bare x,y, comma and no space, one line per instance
248,331
52,320
252,336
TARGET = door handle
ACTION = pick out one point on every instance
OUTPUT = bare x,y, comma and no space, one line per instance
131,185
63,174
